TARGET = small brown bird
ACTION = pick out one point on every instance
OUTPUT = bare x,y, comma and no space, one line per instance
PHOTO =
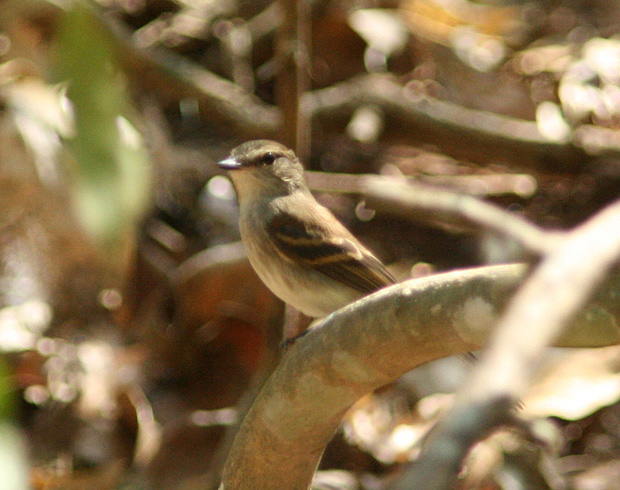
297,246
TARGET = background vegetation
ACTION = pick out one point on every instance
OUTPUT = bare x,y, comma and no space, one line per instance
134,334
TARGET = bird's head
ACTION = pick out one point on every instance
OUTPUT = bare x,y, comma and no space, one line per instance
264,168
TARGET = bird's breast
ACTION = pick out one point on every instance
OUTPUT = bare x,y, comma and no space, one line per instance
307,290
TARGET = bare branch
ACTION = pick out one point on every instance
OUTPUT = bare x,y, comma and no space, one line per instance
419,201
453,207
533,320
293,59
427,119
174,78
444,123
565,279
363,346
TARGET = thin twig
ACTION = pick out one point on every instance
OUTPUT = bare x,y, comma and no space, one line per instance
174,78
383,193
411,200
293,60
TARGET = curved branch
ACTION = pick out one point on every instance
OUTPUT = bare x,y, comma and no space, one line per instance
364,346
537,314
407,198
454,207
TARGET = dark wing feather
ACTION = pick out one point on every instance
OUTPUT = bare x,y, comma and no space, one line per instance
341,257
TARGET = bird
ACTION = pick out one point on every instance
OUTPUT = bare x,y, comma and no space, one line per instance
298,248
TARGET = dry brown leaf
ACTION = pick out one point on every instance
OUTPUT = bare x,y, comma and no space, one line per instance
577,384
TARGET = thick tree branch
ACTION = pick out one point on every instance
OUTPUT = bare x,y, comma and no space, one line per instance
535,317
565,279
365,345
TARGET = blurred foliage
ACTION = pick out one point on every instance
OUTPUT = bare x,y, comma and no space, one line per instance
13,464
112,176
7,391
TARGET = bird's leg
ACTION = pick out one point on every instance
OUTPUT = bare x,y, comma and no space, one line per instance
295,323
295,326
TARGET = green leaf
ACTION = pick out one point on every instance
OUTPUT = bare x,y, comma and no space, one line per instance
13,467
112,179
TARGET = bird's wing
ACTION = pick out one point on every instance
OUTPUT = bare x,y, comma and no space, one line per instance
327,247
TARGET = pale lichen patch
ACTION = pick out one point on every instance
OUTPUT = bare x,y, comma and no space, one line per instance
275,405
474,319
354,369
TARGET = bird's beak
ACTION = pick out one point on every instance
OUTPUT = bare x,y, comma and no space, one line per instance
230,164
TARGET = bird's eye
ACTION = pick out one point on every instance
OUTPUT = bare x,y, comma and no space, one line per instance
268,158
